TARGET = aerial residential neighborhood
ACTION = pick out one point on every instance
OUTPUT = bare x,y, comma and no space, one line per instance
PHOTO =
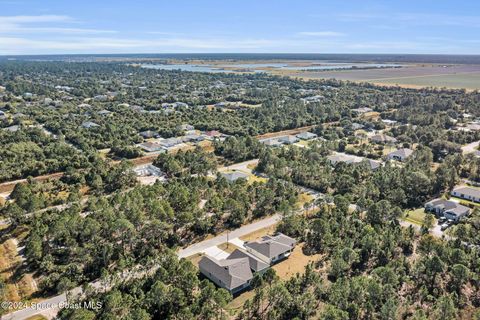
239,160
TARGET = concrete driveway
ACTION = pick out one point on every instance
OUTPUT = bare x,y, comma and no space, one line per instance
216,252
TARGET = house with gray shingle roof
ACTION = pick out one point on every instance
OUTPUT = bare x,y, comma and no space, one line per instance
271,142
271,249
256,264
383,139
400,154
467,193
234,176
306,135
89,124
448,208
288,139
233,274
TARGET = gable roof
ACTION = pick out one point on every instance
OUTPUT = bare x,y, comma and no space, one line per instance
306,135
469,191
234,176
459,210
255,263
272,246
401,153
383,138
232,273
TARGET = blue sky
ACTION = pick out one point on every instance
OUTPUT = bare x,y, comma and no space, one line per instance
300,26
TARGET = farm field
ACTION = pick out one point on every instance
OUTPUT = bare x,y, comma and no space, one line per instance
454,76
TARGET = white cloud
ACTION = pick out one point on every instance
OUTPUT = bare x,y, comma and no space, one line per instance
33,24
321,34
417,19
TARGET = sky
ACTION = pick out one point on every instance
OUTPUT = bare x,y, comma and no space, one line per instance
239,26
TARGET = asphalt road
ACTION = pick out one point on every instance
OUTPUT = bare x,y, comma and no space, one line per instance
222,238
471,147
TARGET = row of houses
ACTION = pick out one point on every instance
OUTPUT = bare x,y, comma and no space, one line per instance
236,272
165,145
338,157
288,139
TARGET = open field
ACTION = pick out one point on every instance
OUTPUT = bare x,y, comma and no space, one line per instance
455,76
259,233
296,263
415,216
18,287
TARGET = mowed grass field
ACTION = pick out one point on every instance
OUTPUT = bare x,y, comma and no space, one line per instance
470,81
414,76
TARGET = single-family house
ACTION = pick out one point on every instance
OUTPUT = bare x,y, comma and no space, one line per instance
213,133
104,112
447,208
233,274
193,137
400,154
101,98
148,134
271,142
148,170
256,265
170,142
89,125
457,213
343,157
288,139
152,147
306,135
373,164
383,139
389,122
362,110
357,126
13,128
466,193
185,127
234,175
271,249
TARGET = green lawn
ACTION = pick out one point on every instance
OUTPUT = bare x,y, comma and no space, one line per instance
415,216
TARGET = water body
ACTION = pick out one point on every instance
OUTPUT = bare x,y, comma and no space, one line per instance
346,58
253,67
335,66
185,67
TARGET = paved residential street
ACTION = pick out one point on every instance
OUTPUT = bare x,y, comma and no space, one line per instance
471,147
222,238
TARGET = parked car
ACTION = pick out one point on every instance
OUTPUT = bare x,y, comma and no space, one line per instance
444,226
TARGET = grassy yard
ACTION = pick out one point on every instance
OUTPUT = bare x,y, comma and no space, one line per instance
415,216
304,198
17,289
296,263
467,202
253,178
259,233
37,317
195,259
237,303
305,143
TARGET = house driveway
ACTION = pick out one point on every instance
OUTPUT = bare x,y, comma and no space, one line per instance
237,242
216,252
